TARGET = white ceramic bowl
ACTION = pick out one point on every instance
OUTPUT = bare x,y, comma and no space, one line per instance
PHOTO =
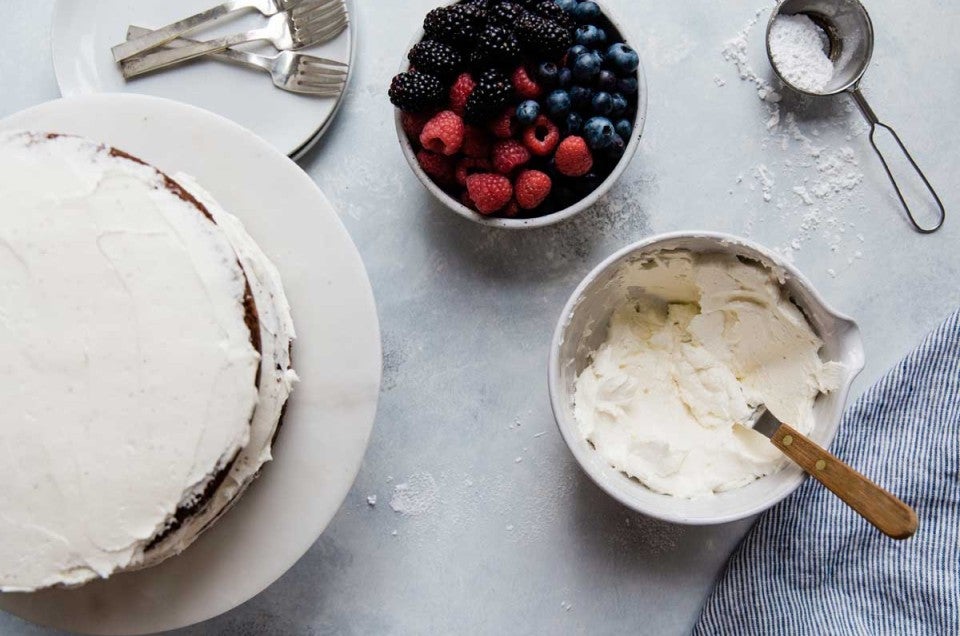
582,328
559,215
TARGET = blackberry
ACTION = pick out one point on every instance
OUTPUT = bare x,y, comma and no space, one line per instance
550,10
505,14
416,92
496,46
491,95
542,37
436,58
457,25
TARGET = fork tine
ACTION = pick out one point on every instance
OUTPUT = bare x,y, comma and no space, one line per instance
319,20
326,80
311,60
315,67
305,6
310,11
338,85
319,23
327,12
320,34
320,78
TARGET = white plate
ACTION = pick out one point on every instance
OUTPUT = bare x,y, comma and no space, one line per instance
85,30
337,354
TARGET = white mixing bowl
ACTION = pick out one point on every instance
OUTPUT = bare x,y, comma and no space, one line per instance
582,328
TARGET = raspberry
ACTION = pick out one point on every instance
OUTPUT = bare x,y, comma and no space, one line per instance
531,188
460,92
509,155
511,210
413,124
476,142
470,166
506,125
490,192
439,168
573,158
542,137
524,86
443,133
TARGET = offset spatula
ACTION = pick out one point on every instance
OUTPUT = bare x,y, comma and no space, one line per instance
888,514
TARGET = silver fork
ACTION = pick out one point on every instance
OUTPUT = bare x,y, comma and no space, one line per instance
170,32
295,72
304,25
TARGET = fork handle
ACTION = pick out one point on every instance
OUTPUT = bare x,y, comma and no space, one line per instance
154,39
232,55
169,57
888,514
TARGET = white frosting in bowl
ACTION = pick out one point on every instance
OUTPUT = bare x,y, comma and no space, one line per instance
705,340
129,375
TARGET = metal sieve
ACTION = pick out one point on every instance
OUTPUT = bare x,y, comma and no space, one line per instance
850,34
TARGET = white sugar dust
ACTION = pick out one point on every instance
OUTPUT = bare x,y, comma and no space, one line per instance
797,47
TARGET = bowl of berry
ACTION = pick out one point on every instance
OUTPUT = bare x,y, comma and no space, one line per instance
519,113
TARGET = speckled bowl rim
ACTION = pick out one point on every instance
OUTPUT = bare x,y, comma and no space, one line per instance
555,217
568,426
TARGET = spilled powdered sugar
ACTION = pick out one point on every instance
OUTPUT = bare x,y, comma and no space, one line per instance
735,52
812,187
416,495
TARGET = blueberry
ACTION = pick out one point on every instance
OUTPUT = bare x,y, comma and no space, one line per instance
617,147
590,36
564,77
547,74
599,133
620,104
607,81
564,195
566,5
574,52
574,123
586,12
527,112
602,103
628,85
624,128
622,59
580,97
587,184
558,103
586,67
548,167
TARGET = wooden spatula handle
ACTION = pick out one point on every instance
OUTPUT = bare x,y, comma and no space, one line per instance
891,516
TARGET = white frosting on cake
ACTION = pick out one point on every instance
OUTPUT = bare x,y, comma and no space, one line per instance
128,370
277,377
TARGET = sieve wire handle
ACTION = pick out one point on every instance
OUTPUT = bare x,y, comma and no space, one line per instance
875,123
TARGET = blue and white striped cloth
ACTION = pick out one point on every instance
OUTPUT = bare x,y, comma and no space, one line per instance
812,566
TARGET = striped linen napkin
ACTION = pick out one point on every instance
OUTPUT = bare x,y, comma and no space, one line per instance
812,566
